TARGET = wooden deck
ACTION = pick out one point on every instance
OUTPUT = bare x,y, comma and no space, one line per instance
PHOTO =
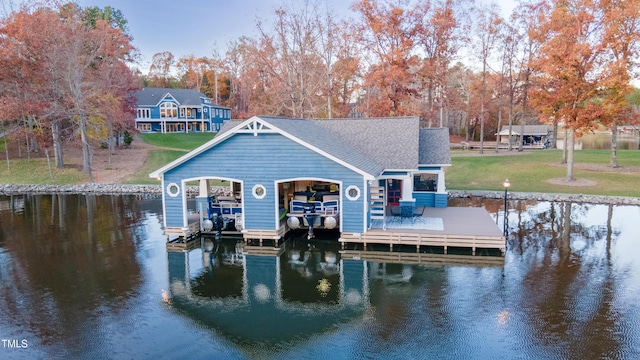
462,227
457,227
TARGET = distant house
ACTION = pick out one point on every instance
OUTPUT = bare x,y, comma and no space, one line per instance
178,110
534,135
628,129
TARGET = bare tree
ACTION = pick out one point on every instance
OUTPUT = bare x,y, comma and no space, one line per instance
487,28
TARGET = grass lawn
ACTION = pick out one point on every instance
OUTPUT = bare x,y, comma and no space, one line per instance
155,160
183,141
36,172
530,172
158,158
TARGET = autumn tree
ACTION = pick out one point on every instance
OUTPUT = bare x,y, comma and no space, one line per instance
441,35
388,32
30,90
459,79
74,75
621,36
160,70
487,31
510,45
86,54
239,70
346,73
567,70
525,21
290,60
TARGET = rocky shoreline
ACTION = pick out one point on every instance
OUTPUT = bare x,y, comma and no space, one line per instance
114,189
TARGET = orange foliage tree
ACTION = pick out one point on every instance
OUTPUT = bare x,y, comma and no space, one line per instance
621,36
67,71
388,32
567,70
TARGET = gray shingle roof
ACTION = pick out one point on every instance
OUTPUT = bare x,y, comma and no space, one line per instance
371,144
393,142
434,147
312,133
151,96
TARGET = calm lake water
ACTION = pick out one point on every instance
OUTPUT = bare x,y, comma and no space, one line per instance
89,277
602,141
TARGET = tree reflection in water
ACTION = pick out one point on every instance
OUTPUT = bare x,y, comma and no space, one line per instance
66,260
80,274
568,285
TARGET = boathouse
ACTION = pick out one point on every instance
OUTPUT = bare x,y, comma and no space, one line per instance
348,173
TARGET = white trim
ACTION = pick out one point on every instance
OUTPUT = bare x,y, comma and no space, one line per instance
164,205
242,128
254,191
184,193
185,213
352,198
164,98
170,193
366,175
430,165
277,193
366,217
217,139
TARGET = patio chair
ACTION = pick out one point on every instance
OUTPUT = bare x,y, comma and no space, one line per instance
394,211
406,212
417,213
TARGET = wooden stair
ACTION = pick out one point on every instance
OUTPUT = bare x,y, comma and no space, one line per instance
377,203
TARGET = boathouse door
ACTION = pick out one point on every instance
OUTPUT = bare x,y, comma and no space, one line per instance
394,192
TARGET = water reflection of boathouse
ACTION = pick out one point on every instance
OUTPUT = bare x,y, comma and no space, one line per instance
288,293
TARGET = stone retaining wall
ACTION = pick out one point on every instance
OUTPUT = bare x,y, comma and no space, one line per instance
8,189
575,198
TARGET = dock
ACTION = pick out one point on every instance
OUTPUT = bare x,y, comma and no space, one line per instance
469,229
443,228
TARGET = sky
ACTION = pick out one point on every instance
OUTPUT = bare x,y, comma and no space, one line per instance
195,27
200,27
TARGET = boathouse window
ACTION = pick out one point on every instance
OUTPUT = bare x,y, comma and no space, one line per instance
353,193
259,191
173,189
168,110
425,182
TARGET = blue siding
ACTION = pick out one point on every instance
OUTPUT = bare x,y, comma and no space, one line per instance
155,112
442,200
395,173
264,159
424,198
431,199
